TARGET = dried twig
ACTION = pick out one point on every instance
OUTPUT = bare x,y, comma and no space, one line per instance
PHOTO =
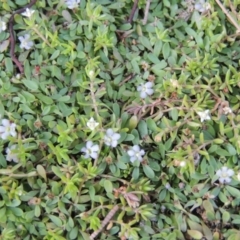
12,38
128,78
134,8
144,21
230,18
234,11
104,222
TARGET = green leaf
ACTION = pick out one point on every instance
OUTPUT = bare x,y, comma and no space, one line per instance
64,98
225,217
207,232
132,123
135,173
143,129
66,111
26,109
152,125
56,220
121,165
108,186
73,233
116,110
153,58
145,42
157,67
67,16
47,100
4,45
174,114
195,234
37,211
30,84
157,48
9,64
231,149
233,191
135,66
41,171
55,53
148,171
166,50
222,152
27,69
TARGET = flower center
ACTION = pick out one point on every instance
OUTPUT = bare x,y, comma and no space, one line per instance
224,175
89,151
8,129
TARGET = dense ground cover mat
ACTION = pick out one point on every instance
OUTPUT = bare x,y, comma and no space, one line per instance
119,119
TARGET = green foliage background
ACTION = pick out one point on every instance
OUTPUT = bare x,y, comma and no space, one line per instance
88,62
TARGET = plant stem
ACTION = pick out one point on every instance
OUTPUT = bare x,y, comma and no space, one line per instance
41,36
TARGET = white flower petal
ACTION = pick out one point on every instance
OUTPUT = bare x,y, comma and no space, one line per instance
94,155
86,155
230,172
142,152
5,122
109,132
143,94
219,173
95,148
89,144
3,26
114,143
130,153
149,85
149,91
92,124
25,41
116,136
224,169
133,159
136,148
228,179
204,115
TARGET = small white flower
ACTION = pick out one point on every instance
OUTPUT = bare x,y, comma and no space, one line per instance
71,4
28,13
202,6
182,164
11,156
25,41
18,76
111,138
136,154
167,186
7,128
204,115
90,150
3,26
227,110
174,83
225,175
145,89
91,74
92,124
